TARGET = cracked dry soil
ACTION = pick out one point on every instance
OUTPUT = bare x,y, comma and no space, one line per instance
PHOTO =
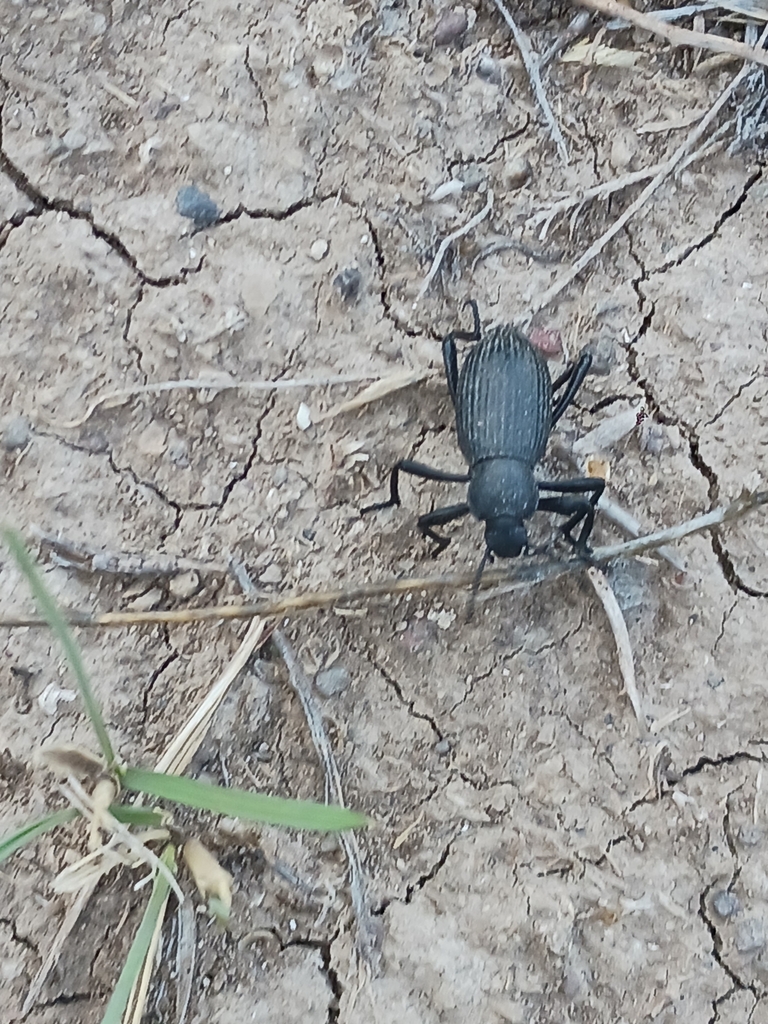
537,876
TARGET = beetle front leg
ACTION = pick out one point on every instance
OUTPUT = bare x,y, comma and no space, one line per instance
577,509
439,517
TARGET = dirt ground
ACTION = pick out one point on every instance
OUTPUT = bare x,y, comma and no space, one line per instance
523,867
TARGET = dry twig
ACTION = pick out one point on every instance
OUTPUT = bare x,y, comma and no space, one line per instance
609,188
533,64
368,931
623,646
691,139
375,392
678,36
121,395
445,244
524,573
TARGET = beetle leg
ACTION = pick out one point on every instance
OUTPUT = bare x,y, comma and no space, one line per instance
574,377
476,326
414,469
449,349
451,364
577,508
439,517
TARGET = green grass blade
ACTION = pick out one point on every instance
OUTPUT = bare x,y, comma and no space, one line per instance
134,962
239,803
144,817
28,833
61,630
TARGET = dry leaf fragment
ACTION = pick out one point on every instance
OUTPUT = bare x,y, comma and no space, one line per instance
214,883
379,389
585,52
67,759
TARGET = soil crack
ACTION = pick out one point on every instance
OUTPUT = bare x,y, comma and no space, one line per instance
725,216
408,705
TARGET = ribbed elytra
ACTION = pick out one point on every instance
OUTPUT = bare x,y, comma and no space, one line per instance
503,399
506,406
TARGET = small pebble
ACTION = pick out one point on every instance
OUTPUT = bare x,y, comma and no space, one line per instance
443,747
604,356
517,172
653,437
185,585
347,283
750,937
725,904
74,139
16,435
750,835
197,206
303,417
263,753
451,27
272,574
488,69
319,249
330,682
548,342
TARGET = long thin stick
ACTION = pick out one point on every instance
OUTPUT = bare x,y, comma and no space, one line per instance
523,574
678,36
368,931
691,139
533,63
124,394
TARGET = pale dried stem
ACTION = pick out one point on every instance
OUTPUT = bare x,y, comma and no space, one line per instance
623,646
523,574
122,395
678,36
368,932
533,65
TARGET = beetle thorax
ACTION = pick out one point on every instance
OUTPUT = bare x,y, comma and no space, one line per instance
502,487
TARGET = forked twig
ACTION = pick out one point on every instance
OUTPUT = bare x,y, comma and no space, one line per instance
444,245
523,574
608,188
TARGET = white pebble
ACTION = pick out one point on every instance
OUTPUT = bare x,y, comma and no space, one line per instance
303,417
319,249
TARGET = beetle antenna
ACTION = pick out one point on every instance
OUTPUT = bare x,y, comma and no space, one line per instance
487,557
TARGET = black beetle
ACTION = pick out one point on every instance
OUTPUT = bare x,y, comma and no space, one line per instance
506,406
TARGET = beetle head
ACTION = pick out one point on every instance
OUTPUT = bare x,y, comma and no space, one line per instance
505,536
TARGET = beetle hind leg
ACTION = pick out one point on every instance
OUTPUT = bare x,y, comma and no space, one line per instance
574,378
450,359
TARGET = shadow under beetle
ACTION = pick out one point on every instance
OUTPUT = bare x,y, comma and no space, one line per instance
506,406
